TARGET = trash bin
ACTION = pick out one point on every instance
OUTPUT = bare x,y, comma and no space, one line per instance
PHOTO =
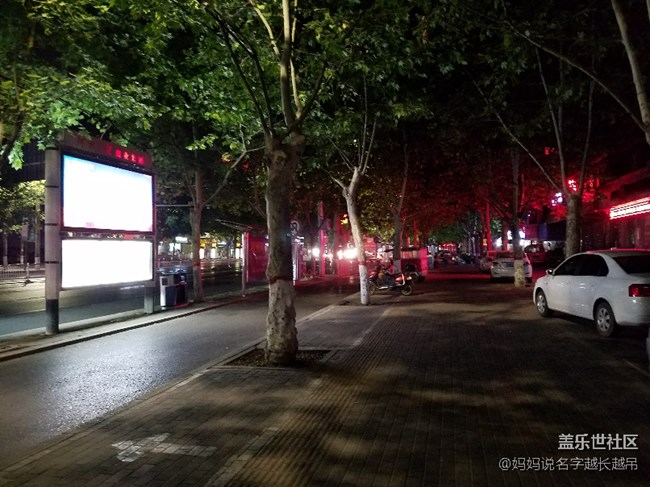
168,294
180,283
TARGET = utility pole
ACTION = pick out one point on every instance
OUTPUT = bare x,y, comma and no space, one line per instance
52,239
321,240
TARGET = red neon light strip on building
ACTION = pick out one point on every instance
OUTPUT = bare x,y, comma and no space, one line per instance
636,207
103,147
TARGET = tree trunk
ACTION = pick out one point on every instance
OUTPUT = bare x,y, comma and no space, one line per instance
520,276
488,229
635,66
281,333
416,235
37,239
195,224
574,206
355,225
397,211
336,242
504,234
397,240
5,249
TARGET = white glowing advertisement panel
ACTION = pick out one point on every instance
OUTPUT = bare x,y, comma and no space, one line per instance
102,262
102,197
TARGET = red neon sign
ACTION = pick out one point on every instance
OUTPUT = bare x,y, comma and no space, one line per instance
631,208
105,148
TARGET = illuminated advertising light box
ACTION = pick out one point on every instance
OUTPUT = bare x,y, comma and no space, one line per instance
102,197
103,262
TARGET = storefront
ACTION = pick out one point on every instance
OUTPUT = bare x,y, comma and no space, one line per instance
630,223
620,216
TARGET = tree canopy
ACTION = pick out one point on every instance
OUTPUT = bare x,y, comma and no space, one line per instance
457,91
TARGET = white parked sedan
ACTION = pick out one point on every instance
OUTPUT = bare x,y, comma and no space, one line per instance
503,266
611,287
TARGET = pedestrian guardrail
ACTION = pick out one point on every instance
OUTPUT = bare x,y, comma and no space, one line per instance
17,271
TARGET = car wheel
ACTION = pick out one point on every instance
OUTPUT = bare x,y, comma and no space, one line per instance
407,289
372,288
542,304
605,322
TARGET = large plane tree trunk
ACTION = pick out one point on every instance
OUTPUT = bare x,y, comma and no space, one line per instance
5,249
634,57
281,333
355,225
573,218
196,213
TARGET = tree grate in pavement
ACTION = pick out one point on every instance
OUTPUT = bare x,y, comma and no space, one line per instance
256,358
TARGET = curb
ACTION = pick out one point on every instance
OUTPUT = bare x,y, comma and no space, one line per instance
22,344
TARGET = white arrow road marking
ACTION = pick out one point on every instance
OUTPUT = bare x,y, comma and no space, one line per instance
132,450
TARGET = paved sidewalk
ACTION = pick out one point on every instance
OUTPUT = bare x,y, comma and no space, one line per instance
447,387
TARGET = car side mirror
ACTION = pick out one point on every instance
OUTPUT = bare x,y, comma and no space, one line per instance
550,272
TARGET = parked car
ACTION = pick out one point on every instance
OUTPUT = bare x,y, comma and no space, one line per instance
503,266
610,287
536,253
445,258
466,258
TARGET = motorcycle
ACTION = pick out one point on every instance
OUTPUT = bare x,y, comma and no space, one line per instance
380,280
416,275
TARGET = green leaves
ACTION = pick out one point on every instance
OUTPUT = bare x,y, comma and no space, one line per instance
20,202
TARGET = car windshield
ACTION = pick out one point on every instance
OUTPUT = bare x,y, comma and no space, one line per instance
634,264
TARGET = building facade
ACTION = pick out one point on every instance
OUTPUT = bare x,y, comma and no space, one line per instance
619,215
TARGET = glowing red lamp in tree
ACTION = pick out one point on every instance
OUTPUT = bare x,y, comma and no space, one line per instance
572,185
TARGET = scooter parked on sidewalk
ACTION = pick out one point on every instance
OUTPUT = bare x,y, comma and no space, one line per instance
416,275
380,279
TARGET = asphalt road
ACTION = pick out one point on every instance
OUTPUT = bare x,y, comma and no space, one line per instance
49,393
